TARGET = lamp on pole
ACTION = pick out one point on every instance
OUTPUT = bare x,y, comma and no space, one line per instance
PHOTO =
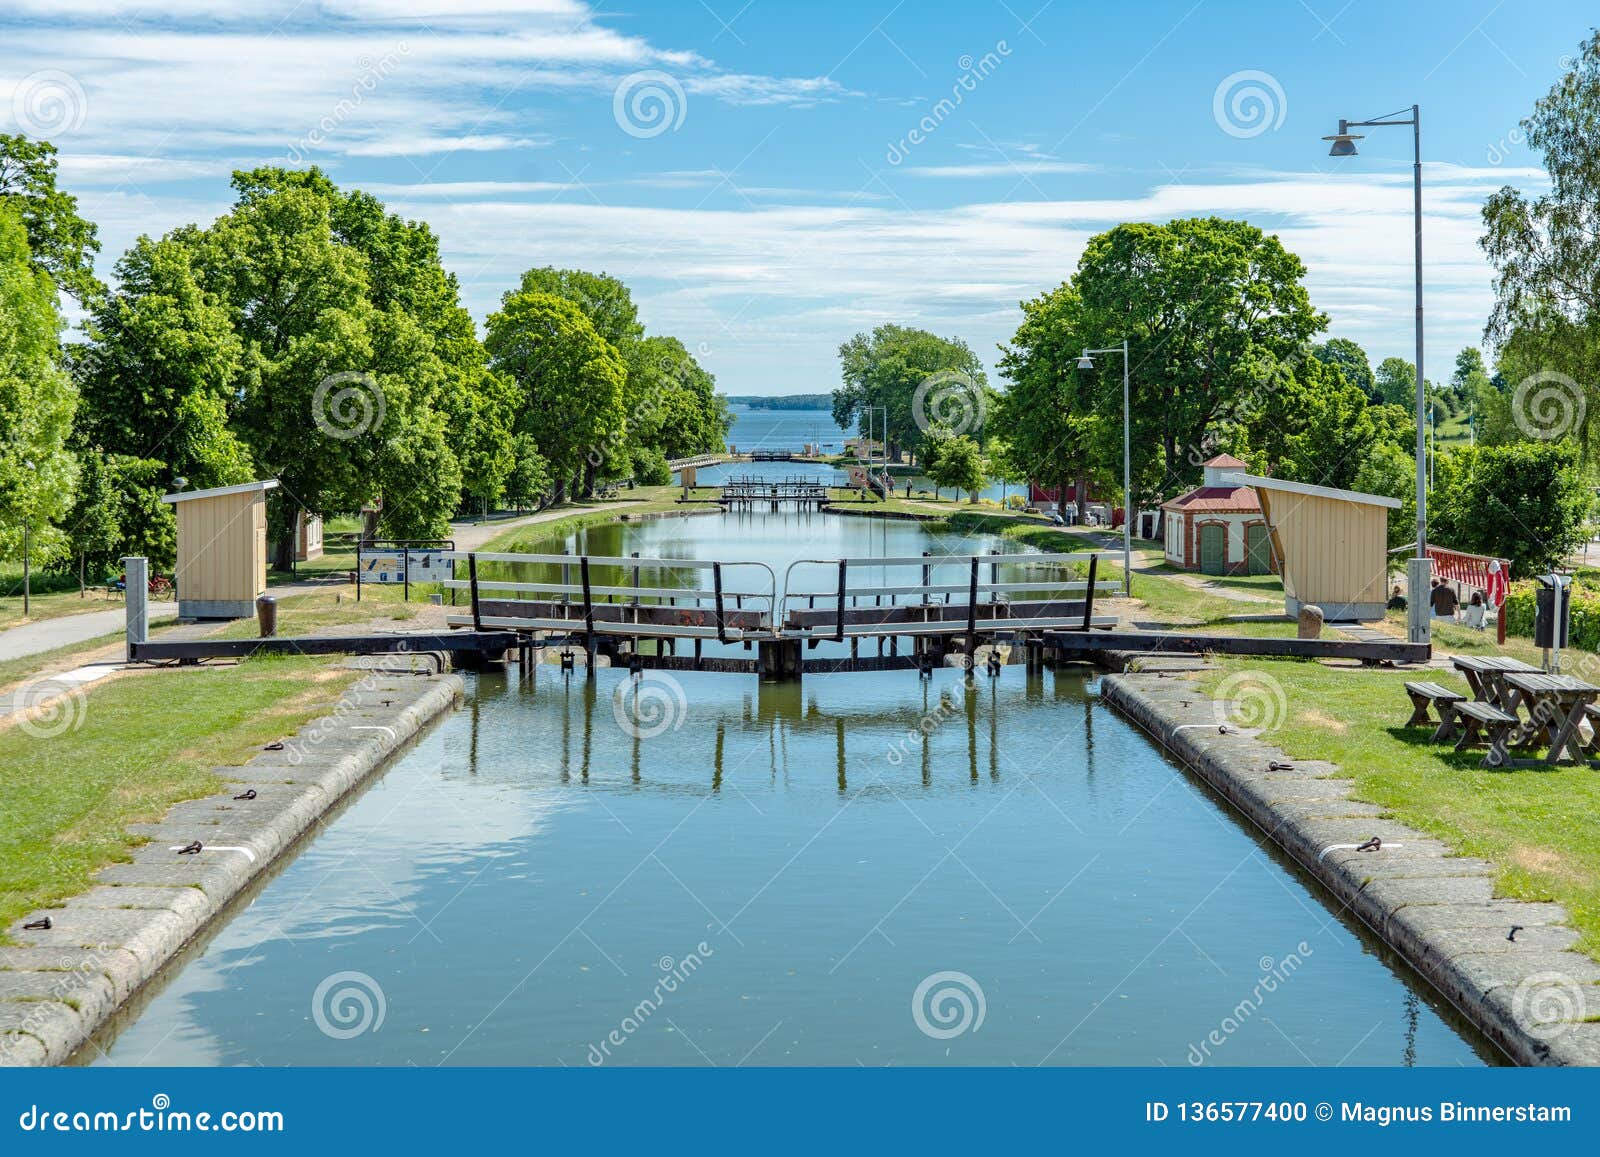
1419,571
27,553
1086,362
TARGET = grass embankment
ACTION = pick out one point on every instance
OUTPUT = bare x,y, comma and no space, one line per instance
135,746
336,610
1540,827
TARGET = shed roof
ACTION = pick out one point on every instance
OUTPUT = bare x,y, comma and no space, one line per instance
220,491
1227,460
1307,489
1234,499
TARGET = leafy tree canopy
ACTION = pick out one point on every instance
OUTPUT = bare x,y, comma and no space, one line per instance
62,242
920,378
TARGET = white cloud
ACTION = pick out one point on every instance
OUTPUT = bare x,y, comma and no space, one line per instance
417,146
1017,169
768,285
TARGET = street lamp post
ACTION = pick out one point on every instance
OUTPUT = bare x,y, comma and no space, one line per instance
1086,362
27,553
1419,570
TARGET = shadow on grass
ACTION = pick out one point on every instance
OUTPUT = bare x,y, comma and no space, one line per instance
1530,757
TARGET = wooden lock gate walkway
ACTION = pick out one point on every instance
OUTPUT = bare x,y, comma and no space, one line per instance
638,611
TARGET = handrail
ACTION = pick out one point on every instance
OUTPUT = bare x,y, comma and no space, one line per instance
927,563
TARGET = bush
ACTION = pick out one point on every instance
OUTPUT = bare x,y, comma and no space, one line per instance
1016,502
1583,628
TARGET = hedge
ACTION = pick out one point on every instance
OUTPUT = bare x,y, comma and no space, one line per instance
1583,628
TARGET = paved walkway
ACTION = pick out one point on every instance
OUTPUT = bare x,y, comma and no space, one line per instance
68,630
472,535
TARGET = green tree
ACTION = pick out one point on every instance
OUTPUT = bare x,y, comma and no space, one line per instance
955,460
1205,303
161,365
1546,250
920,378
1395,383
61,241
650,467
1524,501
604,300
37,401
92,527
148,526
349,348
1046,414
1320,427
528,483
1389,470
1470,371
570,381
1351,360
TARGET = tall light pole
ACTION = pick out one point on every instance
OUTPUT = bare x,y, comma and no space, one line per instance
1086,362
1419,570
27,553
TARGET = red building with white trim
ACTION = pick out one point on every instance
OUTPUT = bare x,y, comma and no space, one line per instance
1218,527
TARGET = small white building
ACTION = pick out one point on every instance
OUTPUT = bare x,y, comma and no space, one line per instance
1218,527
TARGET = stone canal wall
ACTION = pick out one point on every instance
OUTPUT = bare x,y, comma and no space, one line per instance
58,985
1531,995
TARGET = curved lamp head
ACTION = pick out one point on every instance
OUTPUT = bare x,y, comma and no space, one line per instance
1344,141
1086,362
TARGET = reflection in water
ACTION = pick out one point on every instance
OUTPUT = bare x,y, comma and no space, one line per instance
514,881
782,710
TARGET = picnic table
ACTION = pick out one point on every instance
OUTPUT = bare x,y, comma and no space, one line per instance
1555,704
1487,674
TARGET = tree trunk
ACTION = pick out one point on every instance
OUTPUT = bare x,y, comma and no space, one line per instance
1082,497
283,551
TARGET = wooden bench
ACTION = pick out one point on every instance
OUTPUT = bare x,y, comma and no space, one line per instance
1477,718
1423,694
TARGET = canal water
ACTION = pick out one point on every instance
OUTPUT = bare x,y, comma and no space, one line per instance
694,869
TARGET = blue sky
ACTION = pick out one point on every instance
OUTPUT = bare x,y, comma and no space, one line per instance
750,168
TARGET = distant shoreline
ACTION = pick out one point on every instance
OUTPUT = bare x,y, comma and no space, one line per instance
784,402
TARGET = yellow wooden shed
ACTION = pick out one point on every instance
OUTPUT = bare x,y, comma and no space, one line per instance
1332,546
222,549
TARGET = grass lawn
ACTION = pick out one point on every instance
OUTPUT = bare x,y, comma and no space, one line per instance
1541,828
145,742
381,609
